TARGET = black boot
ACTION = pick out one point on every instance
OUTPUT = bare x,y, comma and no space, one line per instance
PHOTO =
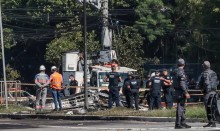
186,126
179,127
210,124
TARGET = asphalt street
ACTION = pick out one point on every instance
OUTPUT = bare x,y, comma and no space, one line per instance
66,125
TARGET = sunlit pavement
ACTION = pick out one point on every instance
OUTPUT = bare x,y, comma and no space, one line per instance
66,125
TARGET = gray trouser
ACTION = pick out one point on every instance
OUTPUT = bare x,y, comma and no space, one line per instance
41,94
180,111
208,101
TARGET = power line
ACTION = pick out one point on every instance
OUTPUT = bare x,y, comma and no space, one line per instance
206,49
38,9
25,28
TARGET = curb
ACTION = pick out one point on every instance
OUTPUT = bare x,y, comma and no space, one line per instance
90,117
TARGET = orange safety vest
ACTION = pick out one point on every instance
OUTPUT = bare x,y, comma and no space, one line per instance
56,80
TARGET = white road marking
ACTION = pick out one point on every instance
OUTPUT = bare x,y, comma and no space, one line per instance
133,129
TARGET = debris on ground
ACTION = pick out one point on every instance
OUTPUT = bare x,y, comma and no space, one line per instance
97,100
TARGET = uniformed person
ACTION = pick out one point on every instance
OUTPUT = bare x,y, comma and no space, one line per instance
181,94
168,89
208,83
114,78
127,91
155,91
73,82
133,85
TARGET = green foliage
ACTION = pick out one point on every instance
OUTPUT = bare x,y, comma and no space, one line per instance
92,44
12,108
196,111
152,22
71,40
151,30
60,45
12,74
8,38
129,49
191,112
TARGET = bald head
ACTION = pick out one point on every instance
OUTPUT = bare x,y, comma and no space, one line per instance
206,65
181,62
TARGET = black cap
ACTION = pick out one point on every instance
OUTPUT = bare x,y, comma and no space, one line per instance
133,76
71,75
164,69
157,71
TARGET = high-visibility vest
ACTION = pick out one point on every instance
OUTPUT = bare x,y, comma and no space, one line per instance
56,80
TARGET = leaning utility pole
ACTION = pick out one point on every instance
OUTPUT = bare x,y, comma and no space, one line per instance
85,57
106,33
3,58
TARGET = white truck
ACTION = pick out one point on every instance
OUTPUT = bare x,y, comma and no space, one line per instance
73,64
99,72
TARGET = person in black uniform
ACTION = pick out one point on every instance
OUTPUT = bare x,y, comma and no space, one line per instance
181,96
114,78
127,91
73,82
133,85
167,89
155,91
208,83
138,78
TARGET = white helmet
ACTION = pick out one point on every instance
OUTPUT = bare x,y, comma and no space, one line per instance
53,68
42,68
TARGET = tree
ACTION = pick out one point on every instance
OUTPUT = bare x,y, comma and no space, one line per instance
71,39
129,48
153,22
12,74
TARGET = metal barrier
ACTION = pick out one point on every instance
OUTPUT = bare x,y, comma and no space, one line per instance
30,87
194,92
13,88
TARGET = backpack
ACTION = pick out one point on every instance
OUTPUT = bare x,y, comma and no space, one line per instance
214,80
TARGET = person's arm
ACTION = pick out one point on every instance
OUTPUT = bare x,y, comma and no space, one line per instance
183,85
51,78
37,82
120,79
47,81
166,82
76,84
150,82
127,83
106,78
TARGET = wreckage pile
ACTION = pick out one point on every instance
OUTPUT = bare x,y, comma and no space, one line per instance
97,100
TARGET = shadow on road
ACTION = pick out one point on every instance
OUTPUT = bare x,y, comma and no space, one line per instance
14,126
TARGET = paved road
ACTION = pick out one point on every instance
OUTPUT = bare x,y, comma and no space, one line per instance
65,125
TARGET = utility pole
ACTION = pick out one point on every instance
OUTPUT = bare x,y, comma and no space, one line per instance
106,33
85,57
3,58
